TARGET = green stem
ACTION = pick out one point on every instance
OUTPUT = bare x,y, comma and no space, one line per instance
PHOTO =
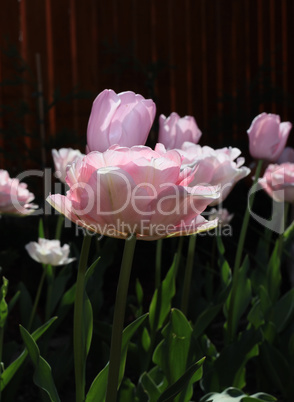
50,281
60,221
1,351
231,327
118,319
158,263
179,254
37,298
246,220
78,342
158,305
1,343
188,274
281,237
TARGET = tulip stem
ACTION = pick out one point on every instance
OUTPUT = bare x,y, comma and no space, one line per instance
188,273
118,319
59,224
179,254
158,263
37,298
78,341
231,326
246,219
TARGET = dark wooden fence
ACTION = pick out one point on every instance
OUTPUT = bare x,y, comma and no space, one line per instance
223,61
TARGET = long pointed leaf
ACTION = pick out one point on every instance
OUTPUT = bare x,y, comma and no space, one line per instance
169,394
97,390
9,372
42,375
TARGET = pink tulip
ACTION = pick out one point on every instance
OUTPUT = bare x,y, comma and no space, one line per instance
49,252
134,190
278,182
15,198
63,159
223,215
124,119
174,131
214,167
268,137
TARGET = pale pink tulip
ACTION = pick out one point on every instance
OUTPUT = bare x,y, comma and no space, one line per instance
49,252
174,131
134,190
63,159
214,167
268,137
15,198
124,119
222,214
278,182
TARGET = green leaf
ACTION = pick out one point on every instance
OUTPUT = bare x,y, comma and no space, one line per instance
126,391
228,367
145,339
139,292
173,354
204,319
88,324
261,396
13,301
169,394
283,311
289,233
25,303
3,304
236,395
9,372
161,301
149,387
274,277
242,296
91,269
42,375
97,390
59,286
275,367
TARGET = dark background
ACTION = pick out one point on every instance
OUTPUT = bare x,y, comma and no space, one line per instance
223,61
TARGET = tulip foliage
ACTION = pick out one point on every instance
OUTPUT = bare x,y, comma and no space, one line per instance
151,290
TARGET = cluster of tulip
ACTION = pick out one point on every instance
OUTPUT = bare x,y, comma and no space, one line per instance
124,189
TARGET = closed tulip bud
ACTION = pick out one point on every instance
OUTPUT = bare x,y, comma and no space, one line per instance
268,137
175,130
123,119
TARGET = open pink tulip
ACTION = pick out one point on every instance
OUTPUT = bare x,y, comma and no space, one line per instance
15,198
49,252
278,182
124,119
63,159
134,190
268,137
214,167
174,131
